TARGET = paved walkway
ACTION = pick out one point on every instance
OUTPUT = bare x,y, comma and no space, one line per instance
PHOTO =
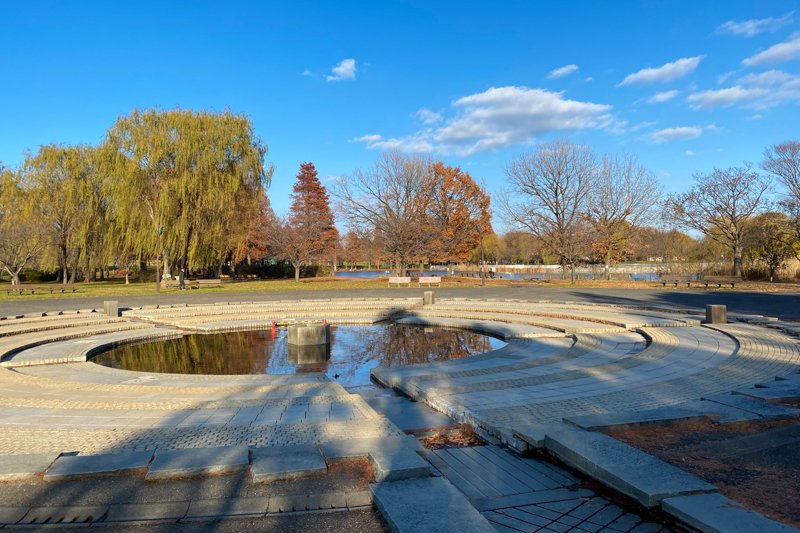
567,360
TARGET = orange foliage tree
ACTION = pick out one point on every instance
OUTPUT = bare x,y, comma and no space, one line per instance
308,234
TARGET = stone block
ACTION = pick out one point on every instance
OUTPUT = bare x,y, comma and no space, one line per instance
428,298
141,512
625,469
716,314
714,513
430,504
228,507
661,415
758,407
111,308
404,463
71,466
350,448
14,467
309,334
198,461
286,462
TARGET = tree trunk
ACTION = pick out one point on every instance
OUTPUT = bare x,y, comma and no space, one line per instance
15,278
737,260
297,272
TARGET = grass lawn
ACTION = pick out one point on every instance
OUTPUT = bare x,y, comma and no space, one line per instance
118,288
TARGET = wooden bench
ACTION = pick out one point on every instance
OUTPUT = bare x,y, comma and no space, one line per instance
430,281
676,279
31,289
719,281
400,280
172,284
201,283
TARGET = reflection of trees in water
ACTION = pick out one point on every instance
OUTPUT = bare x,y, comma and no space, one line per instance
232,353
255,352
404,345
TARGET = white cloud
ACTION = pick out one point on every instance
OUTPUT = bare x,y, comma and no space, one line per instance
689,153
588,78
668,72
765,79
344,70
752,27
426,116
759,91
662,97
676,134
757,116
722,97
560,72
497,117
307,72
777,53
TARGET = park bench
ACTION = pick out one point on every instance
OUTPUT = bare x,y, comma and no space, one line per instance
719,281
676,279
400,280
31,289
172,284
430,281
201,283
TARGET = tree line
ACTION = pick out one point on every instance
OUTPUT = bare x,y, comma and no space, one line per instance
185,192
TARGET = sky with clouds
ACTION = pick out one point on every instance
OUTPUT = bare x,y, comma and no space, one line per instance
684,86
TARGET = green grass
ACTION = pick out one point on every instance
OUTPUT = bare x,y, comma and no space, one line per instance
118,288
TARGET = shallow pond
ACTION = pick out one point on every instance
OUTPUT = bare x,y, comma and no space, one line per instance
354,351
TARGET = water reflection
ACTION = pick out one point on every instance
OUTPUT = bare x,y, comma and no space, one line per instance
354,351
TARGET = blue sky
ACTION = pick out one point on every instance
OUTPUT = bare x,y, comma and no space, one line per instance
684,86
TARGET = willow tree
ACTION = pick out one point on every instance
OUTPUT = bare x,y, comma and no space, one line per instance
20,231
180,175
67,198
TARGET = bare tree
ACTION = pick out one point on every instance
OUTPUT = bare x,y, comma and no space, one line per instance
622,197
783,161
549,189
721,204
390,199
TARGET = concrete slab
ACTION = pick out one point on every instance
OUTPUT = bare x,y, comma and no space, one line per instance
198,461
358,498
350,448
71,466
228,507
14,467
774,392
660,415
534,434
623,468
409,415
286,462
715,513
12,515
430,504
752,405
403,463
140,512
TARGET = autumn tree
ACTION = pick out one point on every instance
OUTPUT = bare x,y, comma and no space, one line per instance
549,189
309,233
720,206
391,200
772,241
622,195
180,175
458,214
20,231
